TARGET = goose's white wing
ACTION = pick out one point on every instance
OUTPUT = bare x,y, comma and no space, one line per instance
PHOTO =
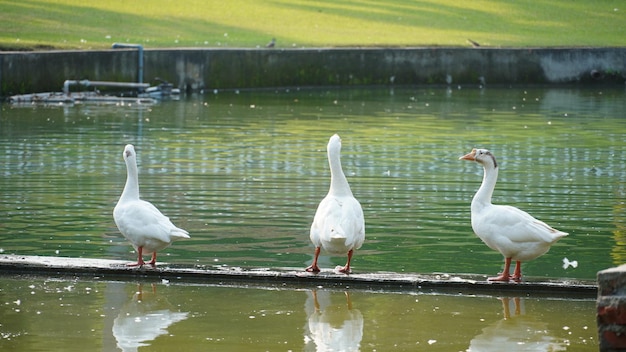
142,223
515,224
513,232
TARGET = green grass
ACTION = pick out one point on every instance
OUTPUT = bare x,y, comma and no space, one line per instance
80,24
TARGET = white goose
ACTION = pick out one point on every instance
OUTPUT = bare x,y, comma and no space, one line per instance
338,226
506,229
147,229
145,317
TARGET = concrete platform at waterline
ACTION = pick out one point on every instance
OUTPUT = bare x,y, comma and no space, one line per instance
294,277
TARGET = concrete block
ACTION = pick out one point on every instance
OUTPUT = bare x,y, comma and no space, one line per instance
611,309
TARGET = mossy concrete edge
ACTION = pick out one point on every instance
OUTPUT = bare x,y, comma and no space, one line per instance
294,277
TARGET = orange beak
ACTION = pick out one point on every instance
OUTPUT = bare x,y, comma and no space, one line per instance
469,156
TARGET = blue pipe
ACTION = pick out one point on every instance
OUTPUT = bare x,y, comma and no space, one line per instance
139,48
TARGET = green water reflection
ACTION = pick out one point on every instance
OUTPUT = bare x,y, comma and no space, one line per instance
243,173
69,315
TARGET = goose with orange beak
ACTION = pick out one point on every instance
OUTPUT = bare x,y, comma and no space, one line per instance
514,233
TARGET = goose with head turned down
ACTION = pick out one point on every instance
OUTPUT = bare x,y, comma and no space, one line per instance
512,232
338,226
147,229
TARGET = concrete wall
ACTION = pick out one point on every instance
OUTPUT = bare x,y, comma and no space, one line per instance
194,69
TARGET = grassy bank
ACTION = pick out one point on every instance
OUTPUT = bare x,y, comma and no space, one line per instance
74,24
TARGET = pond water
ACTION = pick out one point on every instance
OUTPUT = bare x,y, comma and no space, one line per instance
243,172
73,315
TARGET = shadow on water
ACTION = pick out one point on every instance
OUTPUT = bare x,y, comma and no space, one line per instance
332,327
58,314
518,331
143,318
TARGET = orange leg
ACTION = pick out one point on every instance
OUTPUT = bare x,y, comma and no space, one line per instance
313,268
505,307
316,303
139,292
517,274
507,310
518,308
140,261
153,260
505,276
346,269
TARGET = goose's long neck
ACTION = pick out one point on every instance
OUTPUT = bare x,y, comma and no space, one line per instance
131,189
338,183
482,197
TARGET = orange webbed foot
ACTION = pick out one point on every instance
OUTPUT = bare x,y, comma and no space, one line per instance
500,278
313,269
343,269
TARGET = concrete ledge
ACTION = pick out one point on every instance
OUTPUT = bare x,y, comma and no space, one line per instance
445,283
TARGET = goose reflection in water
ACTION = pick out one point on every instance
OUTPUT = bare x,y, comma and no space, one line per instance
332,327
517,332
143,318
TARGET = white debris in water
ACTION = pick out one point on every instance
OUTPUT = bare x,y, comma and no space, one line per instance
567,263
430,342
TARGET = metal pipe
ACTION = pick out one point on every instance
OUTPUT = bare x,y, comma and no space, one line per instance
66,86
88,83
139,48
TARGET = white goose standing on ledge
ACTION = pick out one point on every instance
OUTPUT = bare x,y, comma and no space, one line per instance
338,226
506,229
147,229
